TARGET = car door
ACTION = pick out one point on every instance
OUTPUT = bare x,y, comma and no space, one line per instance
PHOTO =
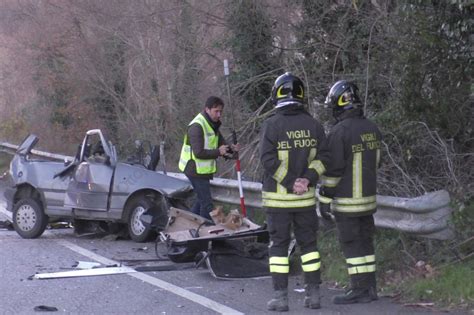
89,187
90,183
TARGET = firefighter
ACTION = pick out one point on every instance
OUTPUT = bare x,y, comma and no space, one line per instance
203,144
348,188
291,147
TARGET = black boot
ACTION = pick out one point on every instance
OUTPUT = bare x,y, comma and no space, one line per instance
373,293
312,297
373,287
356,295
279,302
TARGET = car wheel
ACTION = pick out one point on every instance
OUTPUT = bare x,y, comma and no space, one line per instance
136,229
29,219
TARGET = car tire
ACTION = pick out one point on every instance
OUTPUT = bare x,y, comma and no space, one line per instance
29,219
136,229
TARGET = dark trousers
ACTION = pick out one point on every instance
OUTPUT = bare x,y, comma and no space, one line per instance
203,204
356,236
305,225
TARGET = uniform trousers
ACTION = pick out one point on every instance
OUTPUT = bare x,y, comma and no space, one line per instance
305,225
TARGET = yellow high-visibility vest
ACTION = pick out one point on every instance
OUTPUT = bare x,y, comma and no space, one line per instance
211,141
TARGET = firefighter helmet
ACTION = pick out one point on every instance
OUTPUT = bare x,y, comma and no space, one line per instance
288,90
343,96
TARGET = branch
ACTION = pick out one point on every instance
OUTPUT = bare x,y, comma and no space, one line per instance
368,64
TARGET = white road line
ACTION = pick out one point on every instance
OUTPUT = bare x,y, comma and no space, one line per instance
213,305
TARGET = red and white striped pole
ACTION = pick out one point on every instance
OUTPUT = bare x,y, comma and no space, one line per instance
234,140
241,190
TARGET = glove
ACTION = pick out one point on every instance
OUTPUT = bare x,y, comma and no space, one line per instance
325,211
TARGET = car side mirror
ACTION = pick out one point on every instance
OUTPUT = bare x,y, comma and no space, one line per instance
67,162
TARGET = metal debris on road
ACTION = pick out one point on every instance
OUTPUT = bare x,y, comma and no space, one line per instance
86,265
45,308
83,273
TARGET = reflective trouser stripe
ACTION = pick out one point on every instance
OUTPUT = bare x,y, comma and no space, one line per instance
279,264
370,258
356,261
309,256
361,269
310,262
311,267
363,264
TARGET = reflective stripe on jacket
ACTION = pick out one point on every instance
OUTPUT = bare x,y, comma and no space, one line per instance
292,145
211,141
351,177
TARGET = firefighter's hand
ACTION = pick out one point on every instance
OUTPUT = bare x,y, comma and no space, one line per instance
325,211
300,186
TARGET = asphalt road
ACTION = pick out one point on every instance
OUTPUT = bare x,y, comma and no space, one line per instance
190,291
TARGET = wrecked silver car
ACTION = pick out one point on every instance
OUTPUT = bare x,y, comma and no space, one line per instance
94,187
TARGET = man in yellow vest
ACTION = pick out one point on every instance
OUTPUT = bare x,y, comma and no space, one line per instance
203,144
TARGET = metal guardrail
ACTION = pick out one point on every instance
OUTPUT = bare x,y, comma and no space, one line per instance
426,216
11,149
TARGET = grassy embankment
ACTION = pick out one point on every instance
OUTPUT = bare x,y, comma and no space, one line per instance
432,273
442,281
